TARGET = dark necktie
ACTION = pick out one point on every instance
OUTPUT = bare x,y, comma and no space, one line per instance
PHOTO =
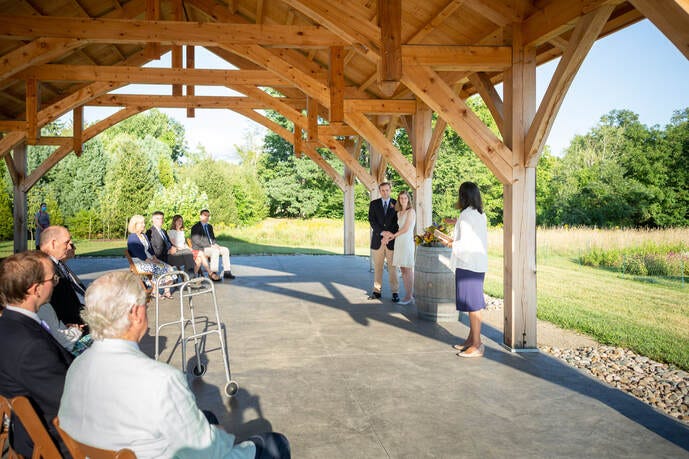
168,244
385,207
67,274
205,227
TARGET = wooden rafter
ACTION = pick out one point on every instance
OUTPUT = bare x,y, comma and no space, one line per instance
458,58
587,30
166,32
481,81
433,145
151,75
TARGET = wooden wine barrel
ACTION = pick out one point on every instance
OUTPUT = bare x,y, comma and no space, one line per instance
434,284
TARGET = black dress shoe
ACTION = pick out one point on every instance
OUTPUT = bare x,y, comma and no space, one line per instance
229,275
374,296
395,298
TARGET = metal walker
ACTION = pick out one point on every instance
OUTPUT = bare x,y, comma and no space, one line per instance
188,289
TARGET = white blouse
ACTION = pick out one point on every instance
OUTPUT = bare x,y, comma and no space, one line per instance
470,246
177,239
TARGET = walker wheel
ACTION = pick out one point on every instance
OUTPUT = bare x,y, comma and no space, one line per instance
199,370
231,388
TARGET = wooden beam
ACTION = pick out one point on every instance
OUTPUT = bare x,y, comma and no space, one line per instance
370,132
153,14
390,64
498,12
123,100
458,58
176,61
353,163
486,89
341,17
440,17
670,17
297,141
191,89
336,84
151,75
585,34
78,129
380,106
433,145
33,132
312,117
7,126
430,88
166,32
557,17
68,146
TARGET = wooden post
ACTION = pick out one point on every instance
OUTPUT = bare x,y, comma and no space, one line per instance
153,14
519,215
336,80
32,101
20,209
390,66
191,63
420,138
78,129
349,227
312,120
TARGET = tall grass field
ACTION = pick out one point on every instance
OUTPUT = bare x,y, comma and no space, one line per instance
648,314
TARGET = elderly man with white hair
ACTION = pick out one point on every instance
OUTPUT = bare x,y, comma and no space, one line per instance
117,397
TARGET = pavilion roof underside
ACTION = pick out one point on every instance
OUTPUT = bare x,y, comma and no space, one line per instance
53,49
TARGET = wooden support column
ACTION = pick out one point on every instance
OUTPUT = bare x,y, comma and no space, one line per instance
336,79
519,215
78,129
312,119
298,143
390,64
33,131
420,138
177,55
153,49
352,148
191,63
20,204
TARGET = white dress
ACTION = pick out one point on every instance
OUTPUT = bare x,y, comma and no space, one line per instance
403,255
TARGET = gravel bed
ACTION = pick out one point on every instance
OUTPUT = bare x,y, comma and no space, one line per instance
660,385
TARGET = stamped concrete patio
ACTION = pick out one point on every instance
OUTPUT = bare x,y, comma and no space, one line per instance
345,377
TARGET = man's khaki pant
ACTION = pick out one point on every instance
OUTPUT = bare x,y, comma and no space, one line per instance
379,256
214,254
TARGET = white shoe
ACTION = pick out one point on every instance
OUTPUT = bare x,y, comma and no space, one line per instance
409,301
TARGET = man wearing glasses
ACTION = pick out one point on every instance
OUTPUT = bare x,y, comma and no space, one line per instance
32,362
68,296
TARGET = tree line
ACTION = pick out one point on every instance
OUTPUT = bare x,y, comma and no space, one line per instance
621,173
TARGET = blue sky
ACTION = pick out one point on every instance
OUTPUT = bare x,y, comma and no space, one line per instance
636,68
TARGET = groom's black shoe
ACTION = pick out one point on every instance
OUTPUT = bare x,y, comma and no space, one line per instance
374,296
395,298
229,275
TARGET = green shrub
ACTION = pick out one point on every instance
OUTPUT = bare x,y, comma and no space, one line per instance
634,264
656,265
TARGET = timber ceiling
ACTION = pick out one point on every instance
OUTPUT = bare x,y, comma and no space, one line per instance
359,65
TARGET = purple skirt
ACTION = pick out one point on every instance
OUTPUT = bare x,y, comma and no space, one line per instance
469,289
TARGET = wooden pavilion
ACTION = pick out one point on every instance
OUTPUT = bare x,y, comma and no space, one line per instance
342,71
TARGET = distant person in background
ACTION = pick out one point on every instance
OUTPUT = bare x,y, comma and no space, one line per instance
178,239
164,249
403,257
470,260
203,238
41,222
142,254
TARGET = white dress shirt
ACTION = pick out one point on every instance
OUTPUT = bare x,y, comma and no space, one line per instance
117,397
470,246
64,335
177,239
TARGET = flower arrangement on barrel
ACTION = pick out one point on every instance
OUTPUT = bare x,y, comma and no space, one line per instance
433,235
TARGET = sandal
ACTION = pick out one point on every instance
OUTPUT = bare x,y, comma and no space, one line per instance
214,277
461,347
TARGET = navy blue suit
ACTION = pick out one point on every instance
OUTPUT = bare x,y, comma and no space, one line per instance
32,364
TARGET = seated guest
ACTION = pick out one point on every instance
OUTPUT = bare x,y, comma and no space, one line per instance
32,363
142,254
66,336
68,295
179,241
203,239
117,397
164,249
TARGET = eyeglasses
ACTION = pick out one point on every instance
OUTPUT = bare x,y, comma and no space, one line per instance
55,279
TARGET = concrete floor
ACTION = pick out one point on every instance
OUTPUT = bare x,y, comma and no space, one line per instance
345,377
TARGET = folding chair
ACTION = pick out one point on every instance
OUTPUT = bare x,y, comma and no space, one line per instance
80,450
43,445
143,277
5,417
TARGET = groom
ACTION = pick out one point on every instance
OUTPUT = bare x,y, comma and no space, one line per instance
383,218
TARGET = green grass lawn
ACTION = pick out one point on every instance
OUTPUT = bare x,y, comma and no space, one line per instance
651,318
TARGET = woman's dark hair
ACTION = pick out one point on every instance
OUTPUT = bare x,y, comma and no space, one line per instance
175,218
470,196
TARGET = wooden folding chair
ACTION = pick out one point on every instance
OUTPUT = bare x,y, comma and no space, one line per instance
80,450
143,276
43,445
5,416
